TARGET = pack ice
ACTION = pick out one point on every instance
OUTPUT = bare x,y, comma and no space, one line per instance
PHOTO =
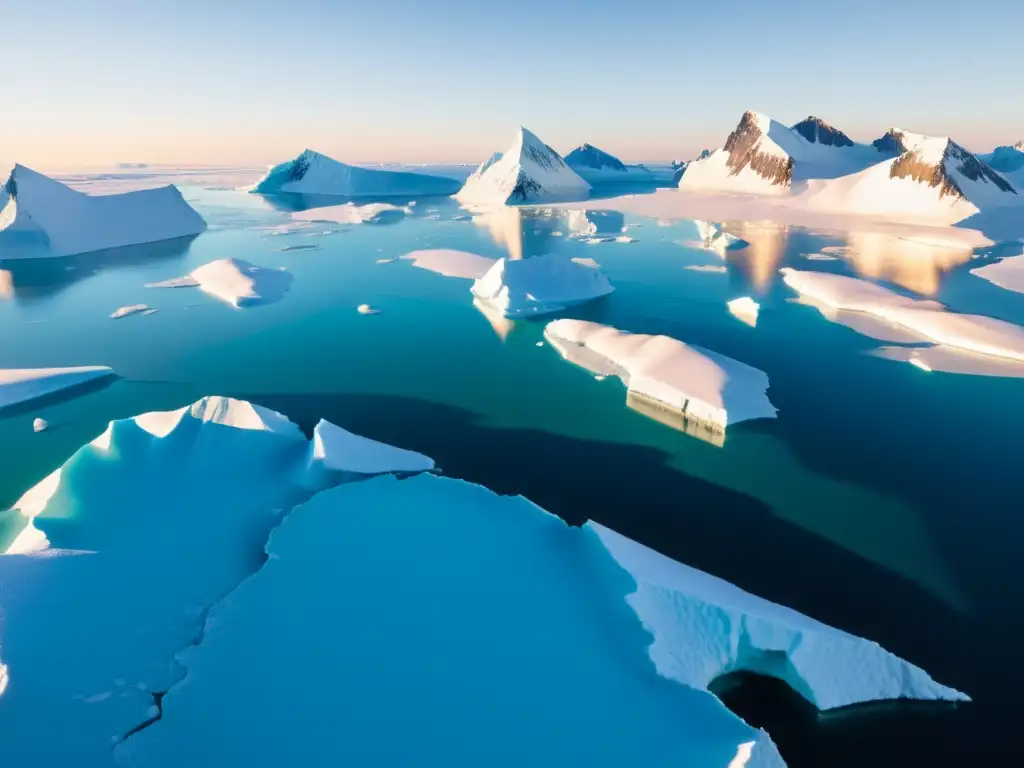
529,172
314,173
192,609
40,217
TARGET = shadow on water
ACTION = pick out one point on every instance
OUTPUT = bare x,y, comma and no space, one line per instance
32,279
633,491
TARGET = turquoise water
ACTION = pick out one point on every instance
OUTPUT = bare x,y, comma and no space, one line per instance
884,500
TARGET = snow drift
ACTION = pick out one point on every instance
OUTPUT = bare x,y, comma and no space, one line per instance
40,217
314,173
529,172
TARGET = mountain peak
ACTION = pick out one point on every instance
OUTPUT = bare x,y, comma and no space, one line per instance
749,146
589,156
817,131
933,160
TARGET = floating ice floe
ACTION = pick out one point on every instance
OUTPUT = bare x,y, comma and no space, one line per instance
1008,273
40,217
135,537
745,309
134,309
350,213
366,309
586,261
22,385
40,425
914,319
181,550
235,281
451,263
539,285
689,381
529,172
587,223
718,269
314,173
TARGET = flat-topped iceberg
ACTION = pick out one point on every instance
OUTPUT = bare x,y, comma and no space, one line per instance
235,281
529,172
539,285
40,217
22,385
697,383
928,321
134,537
312,173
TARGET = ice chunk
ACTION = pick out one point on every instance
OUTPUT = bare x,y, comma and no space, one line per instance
539,285
366,309
20,385
740,631
337,448
314,173
529,172
1008,273
235,281
452,263
695,382
39,425
745,309
41,217
587,223
719,269
929,320
358,570
134,309
350,213
587,262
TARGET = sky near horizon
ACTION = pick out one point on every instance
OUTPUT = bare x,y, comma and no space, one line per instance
95,82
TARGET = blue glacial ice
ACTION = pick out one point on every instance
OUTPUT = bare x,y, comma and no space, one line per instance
195,587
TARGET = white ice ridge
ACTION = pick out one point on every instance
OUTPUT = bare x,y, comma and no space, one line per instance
686,379
449,263
529,172
20,385
314,173
168,512
1008,273
539,285
350,213
40,217
337,448
928,320
739,631
235,281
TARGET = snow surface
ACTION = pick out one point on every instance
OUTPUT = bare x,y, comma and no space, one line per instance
44,218
21,385
529,172
452,263
1008,273
144,528
741,631
539,285
357,572
596,166
337,448
928,320
350,213
314,173
235,281
698,383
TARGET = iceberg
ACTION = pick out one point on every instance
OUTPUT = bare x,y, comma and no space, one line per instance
235,281
539,285
40,218
529,172
925,321
134,309
586,223
337,448
312,173
745,310
699,384
350,213
22,385
596,166
1007,273
134,537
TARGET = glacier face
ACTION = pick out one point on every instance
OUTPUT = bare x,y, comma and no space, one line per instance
312,173
529,172
161,613
40,218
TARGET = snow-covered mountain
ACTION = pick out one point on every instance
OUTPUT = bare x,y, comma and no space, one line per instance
597,166
931,178
529,172
1007,159
315,174
766,157
40,217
